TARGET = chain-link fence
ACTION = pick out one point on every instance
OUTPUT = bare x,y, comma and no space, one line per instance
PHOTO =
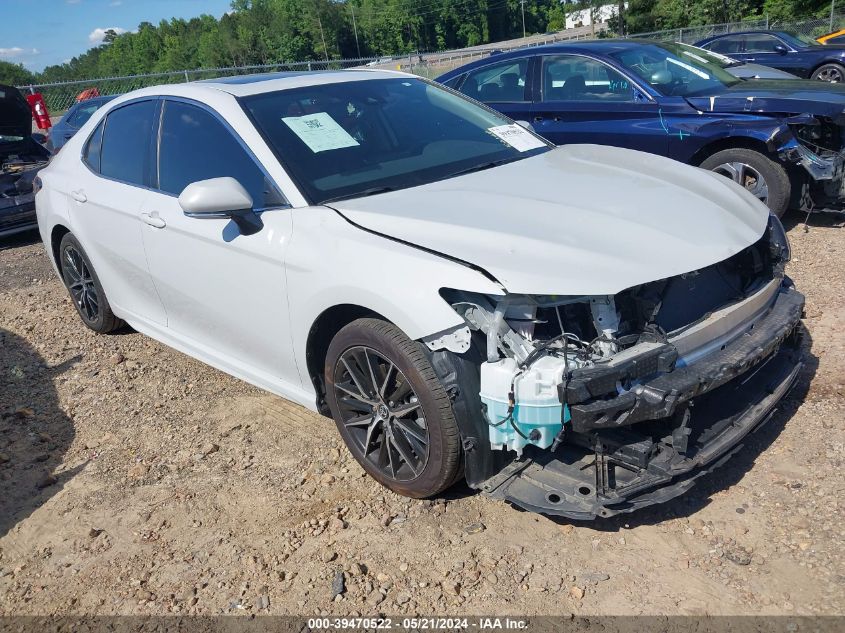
809,29
60,96
433,65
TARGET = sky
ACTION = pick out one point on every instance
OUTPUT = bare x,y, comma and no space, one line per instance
39,33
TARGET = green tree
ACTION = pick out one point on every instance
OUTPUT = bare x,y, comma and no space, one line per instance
15,74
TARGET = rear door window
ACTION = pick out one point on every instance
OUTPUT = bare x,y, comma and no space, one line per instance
126,141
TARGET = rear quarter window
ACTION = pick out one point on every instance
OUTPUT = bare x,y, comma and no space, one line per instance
91,152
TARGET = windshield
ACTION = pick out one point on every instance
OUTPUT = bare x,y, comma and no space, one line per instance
675,70
797,40
345,139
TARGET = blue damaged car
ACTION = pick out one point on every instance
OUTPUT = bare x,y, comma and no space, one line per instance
784,51
781,139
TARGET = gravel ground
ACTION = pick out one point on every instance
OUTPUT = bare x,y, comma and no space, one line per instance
135,480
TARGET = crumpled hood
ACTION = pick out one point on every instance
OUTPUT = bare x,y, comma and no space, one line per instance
777,96
577,220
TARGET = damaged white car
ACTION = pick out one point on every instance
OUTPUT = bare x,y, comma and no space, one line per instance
581,331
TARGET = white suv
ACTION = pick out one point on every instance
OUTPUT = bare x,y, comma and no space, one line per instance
463,298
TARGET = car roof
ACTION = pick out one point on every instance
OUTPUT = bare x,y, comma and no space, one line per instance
586,47
732,33
244,85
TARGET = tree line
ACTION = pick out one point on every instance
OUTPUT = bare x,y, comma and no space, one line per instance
279,31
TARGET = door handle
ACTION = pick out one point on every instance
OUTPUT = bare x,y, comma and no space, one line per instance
537,119
154,220
79,196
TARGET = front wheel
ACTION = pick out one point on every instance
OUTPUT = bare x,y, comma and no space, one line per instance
391,409
833,73
758,173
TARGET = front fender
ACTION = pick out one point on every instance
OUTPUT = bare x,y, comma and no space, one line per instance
709,129
331,262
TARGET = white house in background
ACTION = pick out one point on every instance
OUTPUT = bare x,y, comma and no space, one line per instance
597,15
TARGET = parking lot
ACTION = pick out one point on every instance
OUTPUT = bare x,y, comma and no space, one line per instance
134,479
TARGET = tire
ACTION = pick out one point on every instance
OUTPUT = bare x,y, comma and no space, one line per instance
416,454
765,178
833,73
85,288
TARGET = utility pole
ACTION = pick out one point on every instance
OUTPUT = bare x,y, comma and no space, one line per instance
522,2
832,3
323,37
355,28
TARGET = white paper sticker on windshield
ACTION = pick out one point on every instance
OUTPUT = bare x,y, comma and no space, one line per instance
516,136
320,132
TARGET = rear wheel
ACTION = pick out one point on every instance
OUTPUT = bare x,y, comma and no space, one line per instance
391,409
833,73
85,288
755,171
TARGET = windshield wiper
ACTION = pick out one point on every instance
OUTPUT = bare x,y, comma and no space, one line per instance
372,191
481,167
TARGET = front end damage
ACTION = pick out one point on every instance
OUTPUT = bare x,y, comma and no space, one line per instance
817,147
597,405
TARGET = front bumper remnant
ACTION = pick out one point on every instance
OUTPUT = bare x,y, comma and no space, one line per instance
698,418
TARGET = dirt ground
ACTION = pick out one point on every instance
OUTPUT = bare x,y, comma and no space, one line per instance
135,480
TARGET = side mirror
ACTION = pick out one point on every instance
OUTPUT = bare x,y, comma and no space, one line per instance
220,198
525,124
780,49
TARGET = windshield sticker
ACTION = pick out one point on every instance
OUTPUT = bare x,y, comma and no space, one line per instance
516,136
320,132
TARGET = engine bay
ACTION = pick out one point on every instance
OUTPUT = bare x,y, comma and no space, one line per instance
600,391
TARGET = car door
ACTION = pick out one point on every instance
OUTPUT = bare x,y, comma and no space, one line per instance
106,203
501,85
584,100
224,292
769,50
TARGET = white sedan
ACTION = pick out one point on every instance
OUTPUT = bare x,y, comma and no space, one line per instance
463,298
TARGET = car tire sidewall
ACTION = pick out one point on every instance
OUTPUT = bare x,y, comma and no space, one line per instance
102,322
441,466
776,176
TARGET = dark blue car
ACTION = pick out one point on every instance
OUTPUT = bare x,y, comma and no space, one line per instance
783,51
74,118
780,139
